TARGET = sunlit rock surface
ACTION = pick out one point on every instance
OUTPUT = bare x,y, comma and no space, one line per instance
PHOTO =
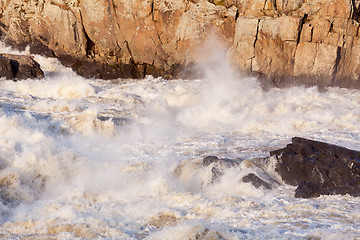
288,41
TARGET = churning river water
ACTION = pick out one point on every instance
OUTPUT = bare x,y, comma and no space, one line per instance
84,159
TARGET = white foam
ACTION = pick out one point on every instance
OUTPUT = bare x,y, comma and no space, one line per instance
88,158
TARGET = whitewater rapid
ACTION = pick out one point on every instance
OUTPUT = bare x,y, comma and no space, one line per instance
84,159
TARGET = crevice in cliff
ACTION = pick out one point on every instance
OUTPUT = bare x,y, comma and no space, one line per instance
134,68
355,11
336,66
331,29
158,34
254,44
144,71
90,45
302,22
129,50
273,2
152,11
237,15
257,33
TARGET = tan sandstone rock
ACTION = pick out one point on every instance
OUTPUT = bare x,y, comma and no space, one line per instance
243,51
286,41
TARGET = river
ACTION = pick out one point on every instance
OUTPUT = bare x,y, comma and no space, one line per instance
120,159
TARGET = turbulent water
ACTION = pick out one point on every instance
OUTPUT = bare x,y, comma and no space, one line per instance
84,159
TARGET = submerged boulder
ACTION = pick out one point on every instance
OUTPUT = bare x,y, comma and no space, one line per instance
220,164
315,168
19,67
318,168
224,162
256,181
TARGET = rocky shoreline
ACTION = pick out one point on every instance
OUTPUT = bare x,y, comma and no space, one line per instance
286,42
318,168
315,168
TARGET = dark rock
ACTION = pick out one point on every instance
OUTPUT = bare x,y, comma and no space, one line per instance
5,68
89,68
22,67
319,168
256,181
219,164
216,173
37,47
224,162
209,159
307,190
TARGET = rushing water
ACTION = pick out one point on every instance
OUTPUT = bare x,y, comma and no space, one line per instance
84,159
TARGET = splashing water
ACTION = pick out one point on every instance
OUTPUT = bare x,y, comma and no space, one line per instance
97,159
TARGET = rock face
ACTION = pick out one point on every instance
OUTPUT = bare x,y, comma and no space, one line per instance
319,168
19,67
287,41
293,41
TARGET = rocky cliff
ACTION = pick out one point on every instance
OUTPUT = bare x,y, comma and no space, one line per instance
287,41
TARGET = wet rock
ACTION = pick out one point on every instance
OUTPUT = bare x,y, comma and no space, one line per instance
91,69
307,190
224,162
21,67
256,181
219,165
37,47
319,168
